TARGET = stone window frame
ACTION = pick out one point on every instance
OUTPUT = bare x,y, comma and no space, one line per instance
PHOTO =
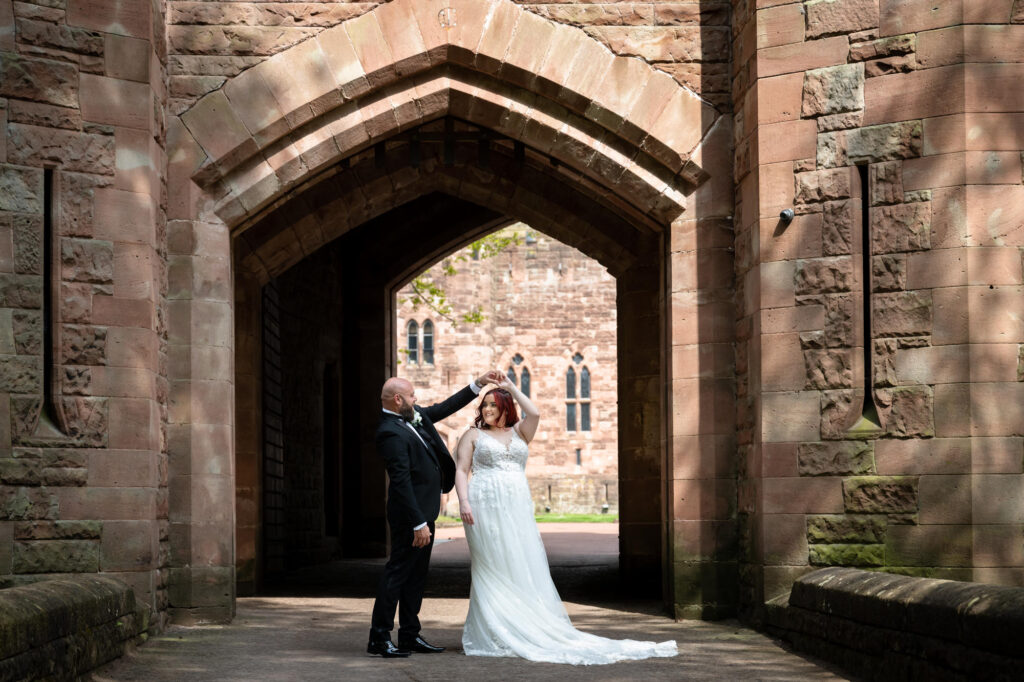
577,405
412,335
517,378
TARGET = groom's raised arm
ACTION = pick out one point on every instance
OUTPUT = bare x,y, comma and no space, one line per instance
447,408
395,452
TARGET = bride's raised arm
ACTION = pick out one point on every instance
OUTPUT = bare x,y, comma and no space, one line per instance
463,462
527,426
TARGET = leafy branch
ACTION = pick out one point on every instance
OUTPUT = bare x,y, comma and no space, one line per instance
429,292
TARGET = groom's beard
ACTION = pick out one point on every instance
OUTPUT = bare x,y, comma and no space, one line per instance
406,411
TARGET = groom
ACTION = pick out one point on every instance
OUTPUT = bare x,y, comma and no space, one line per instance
419,468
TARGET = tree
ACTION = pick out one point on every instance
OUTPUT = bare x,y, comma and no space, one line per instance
431,293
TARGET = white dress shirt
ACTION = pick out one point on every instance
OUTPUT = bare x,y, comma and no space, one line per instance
472,386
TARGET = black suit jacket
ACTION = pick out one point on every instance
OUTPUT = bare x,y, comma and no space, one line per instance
417,474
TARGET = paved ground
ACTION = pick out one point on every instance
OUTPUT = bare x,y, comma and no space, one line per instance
298,636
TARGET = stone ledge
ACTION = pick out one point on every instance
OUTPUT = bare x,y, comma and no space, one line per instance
63,628
886,626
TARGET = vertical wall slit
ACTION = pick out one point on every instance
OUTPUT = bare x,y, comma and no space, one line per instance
50,424
869,412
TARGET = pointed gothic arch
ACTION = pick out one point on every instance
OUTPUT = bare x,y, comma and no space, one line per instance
599,150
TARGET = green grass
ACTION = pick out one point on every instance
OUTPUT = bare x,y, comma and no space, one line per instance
577,518
546,518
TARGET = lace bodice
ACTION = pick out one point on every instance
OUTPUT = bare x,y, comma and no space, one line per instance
491,454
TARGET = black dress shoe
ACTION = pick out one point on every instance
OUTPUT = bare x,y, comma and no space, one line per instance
419,646
385,648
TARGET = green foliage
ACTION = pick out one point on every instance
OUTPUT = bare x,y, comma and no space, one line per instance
577,518
431,293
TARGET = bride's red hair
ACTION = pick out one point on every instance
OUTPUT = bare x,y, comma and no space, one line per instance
506,408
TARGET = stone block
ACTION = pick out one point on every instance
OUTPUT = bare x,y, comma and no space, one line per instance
915,95
782,367
990,87
932,365
873,144
126,58
833,90
115,102
39,80
58,530
846,458
128,545
799,318
890,65
824,275
906,410
999,324
997,455
56,556
20,374
881,494
706,499
945,545
832,17
883,47
823,185
21,190
774,61
847,555
995,218
888,273
834,529
790,416
786,141
913,457
944,499
704,540
784,539
1001,545
911,16
994,411
111,16
75,151
133,424
828,368
107,503
122,469
841,320
87,260
802,496
906,313
780,26
124,216
779,98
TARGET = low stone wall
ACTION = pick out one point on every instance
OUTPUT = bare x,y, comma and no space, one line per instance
891,627
62,628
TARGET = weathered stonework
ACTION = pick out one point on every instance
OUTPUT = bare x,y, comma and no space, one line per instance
833,90
880,494
864,529
851,458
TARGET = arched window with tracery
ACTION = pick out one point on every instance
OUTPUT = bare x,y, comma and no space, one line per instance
413,342
428,342
524,382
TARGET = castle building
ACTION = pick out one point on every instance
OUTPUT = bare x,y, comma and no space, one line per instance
549,325
810,212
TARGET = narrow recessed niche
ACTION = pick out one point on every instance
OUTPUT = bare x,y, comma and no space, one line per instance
869,421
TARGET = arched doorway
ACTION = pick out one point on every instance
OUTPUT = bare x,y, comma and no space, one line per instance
391,161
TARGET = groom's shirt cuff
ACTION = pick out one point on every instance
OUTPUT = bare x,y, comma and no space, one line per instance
415,528
473,387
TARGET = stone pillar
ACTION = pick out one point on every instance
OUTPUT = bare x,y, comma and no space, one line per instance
202,400
643,541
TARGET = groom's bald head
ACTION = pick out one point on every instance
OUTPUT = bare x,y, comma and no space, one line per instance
392,387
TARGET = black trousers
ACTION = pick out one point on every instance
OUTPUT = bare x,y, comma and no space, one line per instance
401,585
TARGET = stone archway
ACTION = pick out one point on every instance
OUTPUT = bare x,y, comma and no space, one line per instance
598,150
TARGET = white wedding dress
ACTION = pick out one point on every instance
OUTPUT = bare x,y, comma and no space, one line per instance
514,608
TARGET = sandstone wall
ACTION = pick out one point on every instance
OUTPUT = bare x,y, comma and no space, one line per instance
918,94
211,41
83,450
546,302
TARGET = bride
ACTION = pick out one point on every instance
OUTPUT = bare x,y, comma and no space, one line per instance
514,608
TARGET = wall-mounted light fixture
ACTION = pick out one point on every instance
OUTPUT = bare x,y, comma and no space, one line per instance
787,215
